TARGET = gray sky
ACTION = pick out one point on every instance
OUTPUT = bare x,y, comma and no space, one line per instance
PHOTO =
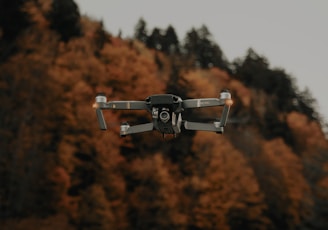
291,34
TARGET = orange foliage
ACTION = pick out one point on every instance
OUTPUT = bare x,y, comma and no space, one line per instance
226,184
308,134
204,83
54,222
241,92
37,11
96,211
131,75
289,176
158,190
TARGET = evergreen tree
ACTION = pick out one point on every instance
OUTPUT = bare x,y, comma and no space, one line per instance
170,41
252,69
140,31
12,19
64,18
154,41
200,45
191,42
307,104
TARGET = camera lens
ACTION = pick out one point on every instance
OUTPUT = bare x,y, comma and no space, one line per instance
164,116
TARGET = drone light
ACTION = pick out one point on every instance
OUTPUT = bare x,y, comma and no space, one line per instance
229,102
95,106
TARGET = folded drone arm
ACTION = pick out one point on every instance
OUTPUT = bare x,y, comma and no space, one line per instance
217,126
101,120
127,129
101,103
124,105
212,127
225,114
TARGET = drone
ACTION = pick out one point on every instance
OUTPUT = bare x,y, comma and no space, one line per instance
166,112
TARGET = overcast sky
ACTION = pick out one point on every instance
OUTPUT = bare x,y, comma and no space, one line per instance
292,34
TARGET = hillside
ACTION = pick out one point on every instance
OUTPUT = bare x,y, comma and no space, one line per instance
269,170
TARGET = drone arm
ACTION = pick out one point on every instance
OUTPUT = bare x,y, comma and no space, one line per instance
126,129
218,127
212,127
124,105
101,103
225,99
225,114
101,120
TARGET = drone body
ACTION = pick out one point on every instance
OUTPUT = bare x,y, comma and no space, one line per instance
166,111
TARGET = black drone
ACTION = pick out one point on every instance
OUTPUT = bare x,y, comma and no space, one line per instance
166,112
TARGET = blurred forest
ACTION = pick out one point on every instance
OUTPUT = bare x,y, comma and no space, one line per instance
269,170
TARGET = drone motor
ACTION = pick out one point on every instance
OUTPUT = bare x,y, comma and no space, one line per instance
101,98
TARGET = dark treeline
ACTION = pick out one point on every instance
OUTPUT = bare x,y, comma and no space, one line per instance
198,49
198,46
59,171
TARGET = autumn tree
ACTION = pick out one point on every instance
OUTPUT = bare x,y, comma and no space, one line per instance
284,185
155,194
95,211
30,128
223,188
311,144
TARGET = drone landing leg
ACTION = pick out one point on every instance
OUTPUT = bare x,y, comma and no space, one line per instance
101,120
